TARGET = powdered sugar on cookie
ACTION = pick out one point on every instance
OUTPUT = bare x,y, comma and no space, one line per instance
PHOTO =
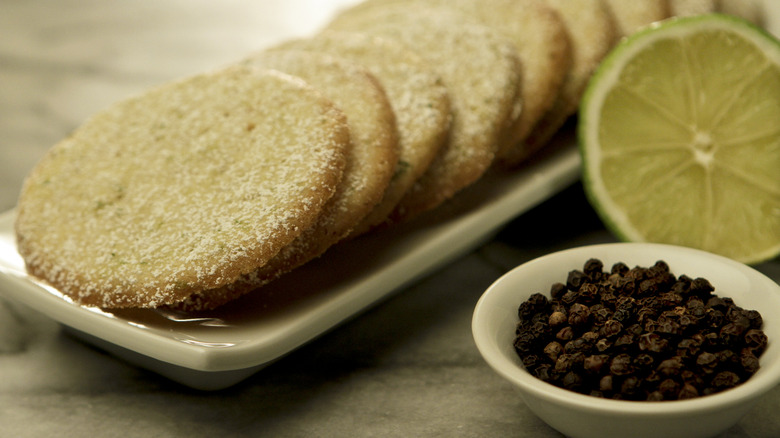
185,187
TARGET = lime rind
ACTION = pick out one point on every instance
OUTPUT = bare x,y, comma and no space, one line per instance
612,215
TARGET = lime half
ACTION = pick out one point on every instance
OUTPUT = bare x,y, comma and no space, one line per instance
679,132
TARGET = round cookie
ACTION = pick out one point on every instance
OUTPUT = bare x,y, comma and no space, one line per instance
481,72
372,121
185,187
368,171
539,35
416,93
592,32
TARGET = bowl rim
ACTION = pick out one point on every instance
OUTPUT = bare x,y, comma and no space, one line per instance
761,382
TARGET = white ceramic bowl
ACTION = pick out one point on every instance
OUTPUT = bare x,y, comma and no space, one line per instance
583,416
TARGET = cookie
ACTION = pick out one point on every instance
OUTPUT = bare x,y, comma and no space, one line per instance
480,70
183,188
371,161
633,15
592,32
539,36
416,93
370,164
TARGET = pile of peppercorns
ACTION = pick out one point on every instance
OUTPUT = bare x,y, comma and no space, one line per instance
638,334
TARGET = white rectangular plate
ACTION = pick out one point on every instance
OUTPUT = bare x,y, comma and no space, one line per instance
213,350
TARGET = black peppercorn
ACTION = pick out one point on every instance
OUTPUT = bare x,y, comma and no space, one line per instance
578,345
608,299
630,388
622,315
669,388
682,286
712,341
564,363
748,361
599,314
731,334
605,384
621,365
624,341
557,290
652,343
638,334
653,379
569,297
701,286
695,306
565,334
593,269
716,303
603,345
707,362
531,360
756,340
594,363
727,359
659,268
689,347
572,381
668,327
557,319
619,268
644,362
714,317
688,322
634,329
687,392
724,380
575,279
738,316
648,287
579,314
588,293
671,367
543,372
611,329
670,299
553,350
536,303
591,337
655,396
756,321
626,303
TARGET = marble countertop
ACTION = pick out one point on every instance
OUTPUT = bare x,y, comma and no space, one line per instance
407,367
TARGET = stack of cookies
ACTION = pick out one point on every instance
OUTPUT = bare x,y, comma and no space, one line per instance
206,188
